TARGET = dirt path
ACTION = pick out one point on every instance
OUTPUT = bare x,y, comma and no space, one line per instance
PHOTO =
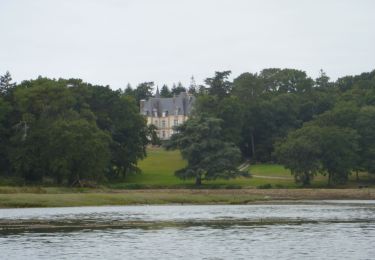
272,177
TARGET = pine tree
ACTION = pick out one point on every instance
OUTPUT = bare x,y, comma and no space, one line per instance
5,83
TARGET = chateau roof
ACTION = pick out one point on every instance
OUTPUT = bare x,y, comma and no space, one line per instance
177,105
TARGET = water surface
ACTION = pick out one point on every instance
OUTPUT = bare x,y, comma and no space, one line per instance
325,230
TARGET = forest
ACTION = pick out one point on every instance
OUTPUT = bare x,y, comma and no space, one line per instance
66,131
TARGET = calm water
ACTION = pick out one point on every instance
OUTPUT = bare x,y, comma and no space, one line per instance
328,230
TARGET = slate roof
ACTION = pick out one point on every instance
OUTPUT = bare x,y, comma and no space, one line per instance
178,105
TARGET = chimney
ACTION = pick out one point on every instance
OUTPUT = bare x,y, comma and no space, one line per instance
142,104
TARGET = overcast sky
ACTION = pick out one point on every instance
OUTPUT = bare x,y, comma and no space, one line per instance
115,42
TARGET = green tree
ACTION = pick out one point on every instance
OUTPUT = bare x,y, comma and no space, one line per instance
208,156
6,83
247,87
228,109
219,85
339,156
301,153
129,91
193,88
143,91
165,92
176,90
152,135
5,109
330,150
323,80
41,103
286,80
365,125
119,115
77,151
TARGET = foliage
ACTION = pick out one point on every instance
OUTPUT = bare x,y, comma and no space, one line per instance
176,90
219,85
264,111
152,135
300,153
5,84
142,91
315,127
365,125
165,92
313,149
70,131
208,156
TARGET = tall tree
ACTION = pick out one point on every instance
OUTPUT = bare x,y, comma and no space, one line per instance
323,80
286,80
248,86
6,83
129,91
177,89
339,156
77,150
329,150
301,153
193,88
208,156
5,109
143,91
219,85
165,92
365,125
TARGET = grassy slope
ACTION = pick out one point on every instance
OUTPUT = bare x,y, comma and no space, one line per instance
158,172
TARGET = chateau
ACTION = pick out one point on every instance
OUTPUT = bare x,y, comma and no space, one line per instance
165,113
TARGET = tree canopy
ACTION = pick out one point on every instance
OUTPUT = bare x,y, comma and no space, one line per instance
208,156
69,131
312,126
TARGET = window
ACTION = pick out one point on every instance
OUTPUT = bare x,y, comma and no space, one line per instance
156,123
175,122
163,124
163,134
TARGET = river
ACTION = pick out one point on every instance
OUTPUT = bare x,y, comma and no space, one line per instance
307,230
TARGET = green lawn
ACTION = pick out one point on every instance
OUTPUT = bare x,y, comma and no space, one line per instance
159,166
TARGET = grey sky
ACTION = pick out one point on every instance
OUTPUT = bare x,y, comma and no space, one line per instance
116,42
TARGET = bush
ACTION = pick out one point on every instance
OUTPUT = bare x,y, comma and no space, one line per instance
265,186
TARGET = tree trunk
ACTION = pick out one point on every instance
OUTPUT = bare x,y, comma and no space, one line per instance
198,181
306,180
329,179
252,146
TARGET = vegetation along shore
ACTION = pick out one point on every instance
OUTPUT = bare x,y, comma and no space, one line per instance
52,197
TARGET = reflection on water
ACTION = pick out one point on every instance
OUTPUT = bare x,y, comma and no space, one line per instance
328,230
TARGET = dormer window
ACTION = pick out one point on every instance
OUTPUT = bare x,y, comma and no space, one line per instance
177,111
165,114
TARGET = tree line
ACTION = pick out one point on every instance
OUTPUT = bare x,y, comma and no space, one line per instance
311,126
67,130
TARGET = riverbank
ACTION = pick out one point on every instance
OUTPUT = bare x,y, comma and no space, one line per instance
45,197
